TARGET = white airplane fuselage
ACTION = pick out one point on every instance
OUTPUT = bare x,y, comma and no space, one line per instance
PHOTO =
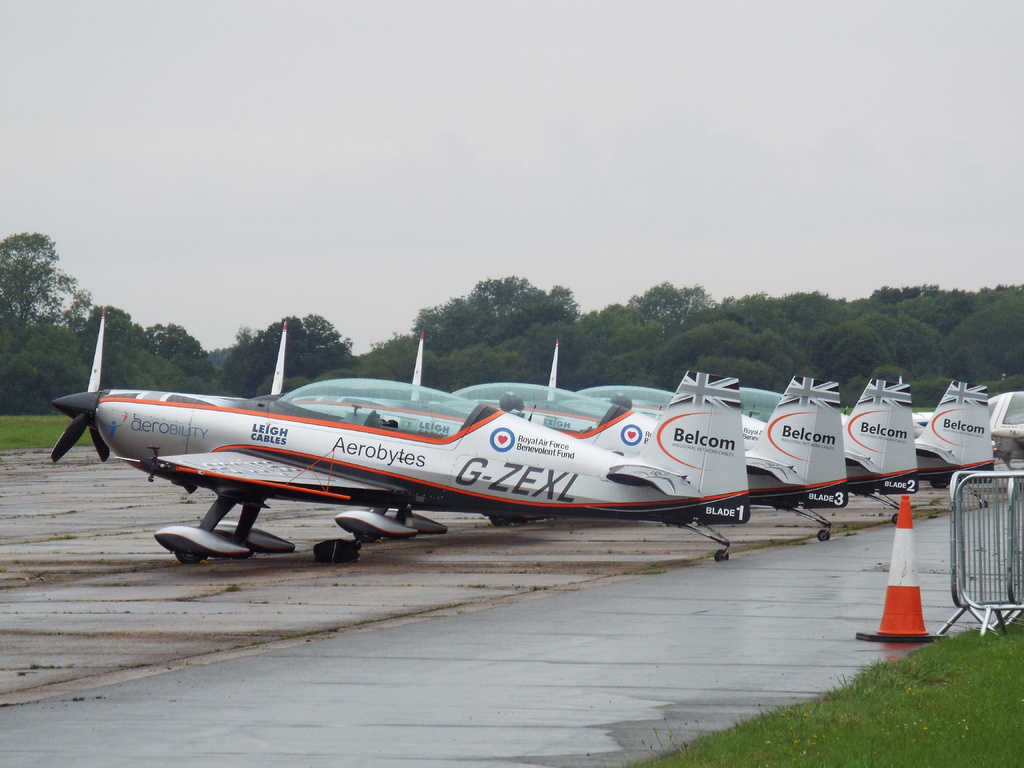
502,464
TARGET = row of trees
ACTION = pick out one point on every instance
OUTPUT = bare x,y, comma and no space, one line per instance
505,329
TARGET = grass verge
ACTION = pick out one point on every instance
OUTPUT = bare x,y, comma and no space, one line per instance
19,432
955,703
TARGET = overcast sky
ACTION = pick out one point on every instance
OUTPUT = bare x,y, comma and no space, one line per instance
220,164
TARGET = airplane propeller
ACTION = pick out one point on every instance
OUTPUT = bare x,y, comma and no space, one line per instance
82,408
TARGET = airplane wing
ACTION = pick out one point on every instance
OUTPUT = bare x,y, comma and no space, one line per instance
262,476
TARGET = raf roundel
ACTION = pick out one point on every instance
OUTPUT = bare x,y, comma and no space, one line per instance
631,435
502,439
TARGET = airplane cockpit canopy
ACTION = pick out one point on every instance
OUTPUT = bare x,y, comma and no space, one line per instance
556,408
759,403
644,399
1010,414
380,404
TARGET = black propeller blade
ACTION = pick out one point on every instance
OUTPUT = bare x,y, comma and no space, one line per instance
71,435
82,408
102,449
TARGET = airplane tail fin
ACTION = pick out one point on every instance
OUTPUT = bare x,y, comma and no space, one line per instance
958,436
696,450
798,458
879,440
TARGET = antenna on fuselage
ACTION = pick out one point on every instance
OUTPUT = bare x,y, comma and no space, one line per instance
278,386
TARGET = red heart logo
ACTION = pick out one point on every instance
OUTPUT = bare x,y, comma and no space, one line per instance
502,439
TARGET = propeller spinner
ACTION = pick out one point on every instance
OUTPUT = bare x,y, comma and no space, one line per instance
82,408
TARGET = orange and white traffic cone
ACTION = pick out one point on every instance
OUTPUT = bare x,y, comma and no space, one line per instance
902,619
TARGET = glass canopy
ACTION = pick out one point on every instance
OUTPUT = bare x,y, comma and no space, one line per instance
382,404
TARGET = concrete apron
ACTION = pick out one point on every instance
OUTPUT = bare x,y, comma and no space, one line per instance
600,676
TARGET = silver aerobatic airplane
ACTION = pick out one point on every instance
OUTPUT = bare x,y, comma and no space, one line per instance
394,446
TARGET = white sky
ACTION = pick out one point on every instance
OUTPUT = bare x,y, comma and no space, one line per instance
219,164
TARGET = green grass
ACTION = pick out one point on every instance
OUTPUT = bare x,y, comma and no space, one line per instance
33,431
959,702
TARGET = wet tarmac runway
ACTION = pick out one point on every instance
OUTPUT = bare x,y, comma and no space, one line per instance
551,644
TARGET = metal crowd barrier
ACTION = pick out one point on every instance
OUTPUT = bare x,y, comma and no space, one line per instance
987,547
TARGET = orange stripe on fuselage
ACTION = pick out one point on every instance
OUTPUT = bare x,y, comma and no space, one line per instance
374,472
259,414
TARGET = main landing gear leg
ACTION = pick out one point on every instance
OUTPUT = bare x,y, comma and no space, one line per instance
217,512
402,515
246,520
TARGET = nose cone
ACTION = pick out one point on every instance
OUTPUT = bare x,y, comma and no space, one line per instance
73,405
